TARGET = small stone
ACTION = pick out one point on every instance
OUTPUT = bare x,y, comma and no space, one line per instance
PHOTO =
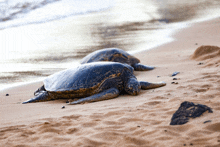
174,78
138,126
165,130
184,144
200,63
158,76
207,121
174,83
175,73
63,107
7,94
191,143
196,43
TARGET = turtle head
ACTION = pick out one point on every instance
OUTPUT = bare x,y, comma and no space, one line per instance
133,60
132,87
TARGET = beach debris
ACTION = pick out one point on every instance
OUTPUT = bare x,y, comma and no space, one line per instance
187,110
175,73
92,82
63,107
207,121
200,63
7,94
116,55
174,83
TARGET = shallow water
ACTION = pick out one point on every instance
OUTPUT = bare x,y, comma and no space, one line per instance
39,48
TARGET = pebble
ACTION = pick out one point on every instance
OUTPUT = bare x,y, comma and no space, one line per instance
7,94
174,83
207,121
63,107
175,73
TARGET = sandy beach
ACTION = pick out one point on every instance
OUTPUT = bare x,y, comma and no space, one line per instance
129,121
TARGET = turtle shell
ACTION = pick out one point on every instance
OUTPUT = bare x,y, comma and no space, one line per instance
86,76
110,54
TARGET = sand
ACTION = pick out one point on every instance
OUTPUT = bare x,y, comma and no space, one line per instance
129,121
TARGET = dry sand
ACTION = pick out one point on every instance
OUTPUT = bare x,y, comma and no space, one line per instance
141,120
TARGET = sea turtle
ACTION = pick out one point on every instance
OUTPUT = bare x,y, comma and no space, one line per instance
115,55
91,82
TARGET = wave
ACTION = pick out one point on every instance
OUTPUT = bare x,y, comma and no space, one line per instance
15,13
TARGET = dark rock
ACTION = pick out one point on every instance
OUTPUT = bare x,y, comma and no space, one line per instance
63,107
7,94
174,83
187,110
175,73
207,121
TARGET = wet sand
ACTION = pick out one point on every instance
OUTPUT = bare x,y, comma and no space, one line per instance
141,120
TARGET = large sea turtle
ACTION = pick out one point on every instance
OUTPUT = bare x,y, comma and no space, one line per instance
115,55
91,82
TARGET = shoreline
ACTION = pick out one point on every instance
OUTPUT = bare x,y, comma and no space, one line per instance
169,39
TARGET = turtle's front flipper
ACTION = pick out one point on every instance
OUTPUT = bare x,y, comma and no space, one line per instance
42,96
147,85
141,67
107,94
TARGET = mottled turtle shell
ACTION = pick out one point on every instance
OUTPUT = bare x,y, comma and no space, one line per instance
110,54
86,76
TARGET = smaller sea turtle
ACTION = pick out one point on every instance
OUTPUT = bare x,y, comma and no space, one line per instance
116,55
91,82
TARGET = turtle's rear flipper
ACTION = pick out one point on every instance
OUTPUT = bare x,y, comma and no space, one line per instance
147,85
107,94
42,96
141,67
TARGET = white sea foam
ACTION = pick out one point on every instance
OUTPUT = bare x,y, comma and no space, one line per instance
21,12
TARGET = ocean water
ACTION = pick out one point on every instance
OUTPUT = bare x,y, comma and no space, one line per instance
41,37
22,12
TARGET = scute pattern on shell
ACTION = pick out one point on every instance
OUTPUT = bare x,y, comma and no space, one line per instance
110,54
84,78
